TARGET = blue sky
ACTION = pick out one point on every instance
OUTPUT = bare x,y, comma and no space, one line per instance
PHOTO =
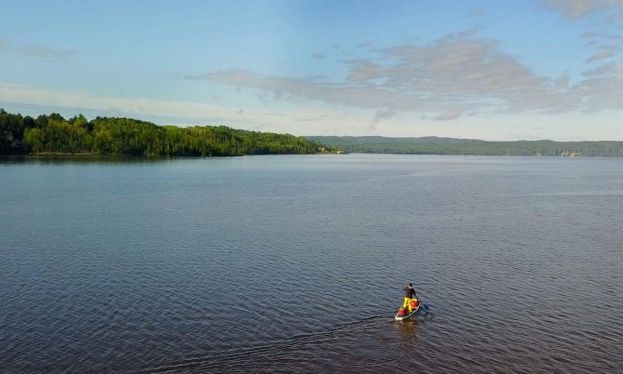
475,69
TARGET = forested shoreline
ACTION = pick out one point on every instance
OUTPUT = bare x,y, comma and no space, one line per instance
453,146
53,134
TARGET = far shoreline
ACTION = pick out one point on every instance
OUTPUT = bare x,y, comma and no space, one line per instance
90,157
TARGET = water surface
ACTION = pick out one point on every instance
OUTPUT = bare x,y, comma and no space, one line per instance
295,263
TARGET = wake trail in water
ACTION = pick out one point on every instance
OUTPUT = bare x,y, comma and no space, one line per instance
215,360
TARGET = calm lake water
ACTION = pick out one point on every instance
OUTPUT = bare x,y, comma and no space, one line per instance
296,263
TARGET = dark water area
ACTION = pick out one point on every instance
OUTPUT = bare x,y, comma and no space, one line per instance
296,263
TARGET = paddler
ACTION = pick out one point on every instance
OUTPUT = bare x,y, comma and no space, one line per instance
409,296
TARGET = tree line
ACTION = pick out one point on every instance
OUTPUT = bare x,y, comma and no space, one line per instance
125,136
452,146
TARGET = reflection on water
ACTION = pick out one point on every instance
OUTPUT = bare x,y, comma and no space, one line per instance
408,330
296,263
81,159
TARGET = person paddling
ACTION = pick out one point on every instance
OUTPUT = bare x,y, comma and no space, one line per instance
410,295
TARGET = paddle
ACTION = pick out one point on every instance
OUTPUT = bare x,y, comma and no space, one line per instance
424,306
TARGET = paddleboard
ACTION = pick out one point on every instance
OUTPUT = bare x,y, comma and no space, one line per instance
406,316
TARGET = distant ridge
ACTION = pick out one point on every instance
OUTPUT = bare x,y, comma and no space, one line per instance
453,146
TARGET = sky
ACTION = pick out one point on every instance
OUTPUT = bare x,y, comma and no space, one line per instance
494,70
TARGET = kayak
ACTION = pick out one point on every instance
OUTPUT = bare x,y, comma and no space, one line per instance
399,317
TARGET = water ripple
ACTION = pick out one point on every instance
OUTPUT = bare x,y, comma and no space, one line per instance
282,264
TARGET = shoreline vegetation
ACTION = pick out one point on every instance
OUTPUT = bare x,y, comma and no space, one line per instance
53,135
470,147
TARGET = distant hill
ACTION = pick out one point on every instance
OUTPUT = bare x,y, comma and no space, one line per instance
452,146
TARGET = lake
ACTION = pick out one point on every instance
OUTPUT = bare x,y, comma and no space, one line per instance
296,263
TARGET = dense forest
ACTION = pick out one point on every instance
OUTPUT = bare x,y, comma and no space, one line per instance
451,146
124,136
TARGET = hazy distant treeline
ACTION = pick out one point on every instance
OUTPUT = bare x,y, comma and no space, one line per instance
124,136
451,146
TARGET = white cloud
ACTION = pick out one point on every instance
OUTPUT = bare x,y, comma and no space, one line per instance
451,76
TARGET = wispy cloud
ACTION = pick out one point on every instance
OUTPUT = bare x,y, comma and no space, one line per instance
608,11
449,115
312,119
166,111
605,45
603,52
35,50
598,87
579,8
451,76
602,87
383,114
